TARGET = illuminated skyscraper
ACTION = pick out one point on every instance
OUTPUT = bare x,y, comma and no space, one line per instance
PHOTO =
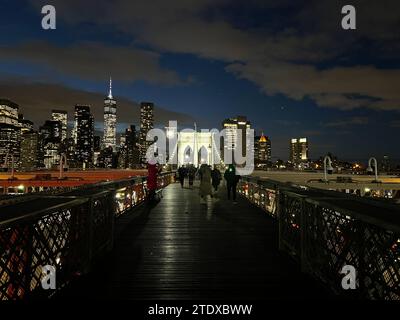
262,150
62,117
298,150
231,127
50,143
84,135
146,124
8,112
73,133
29,144
69,148
10,131
110,120
29,151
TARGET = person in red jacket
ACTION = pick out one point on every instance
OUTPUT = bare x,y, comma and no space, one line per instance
152,173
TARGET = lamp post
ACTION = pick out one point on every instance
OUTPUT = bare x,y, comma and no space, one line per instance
327,167
369,169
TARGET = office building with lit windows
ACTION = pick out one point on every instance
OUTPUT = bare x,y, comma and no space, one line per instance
62,117
231,140
298,150
10,131
262,150
50,134
29,151
146,124
84,135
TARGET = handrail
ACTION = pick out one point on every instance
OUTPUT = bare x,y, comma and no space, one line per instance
386,220
316,195
68,230
70,201
326,230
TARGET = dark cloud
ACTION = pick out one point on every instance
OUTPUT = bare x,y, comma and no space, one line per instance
280,60
347,122
93,60
338,87
37,100
395,124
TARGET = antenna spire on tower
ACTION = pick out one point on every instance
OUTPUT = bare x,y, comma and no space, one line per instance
110,93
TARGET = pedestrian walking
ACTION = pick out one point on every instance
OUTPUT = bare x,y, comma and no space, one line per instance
181,175
216,178
191,175
205,181
232,180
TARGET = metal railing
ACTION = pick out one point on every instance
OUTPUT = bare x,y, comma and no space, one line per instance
326,230
67,231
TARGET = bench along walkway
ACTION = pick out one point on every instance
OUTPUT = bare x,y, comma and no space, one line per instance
181,249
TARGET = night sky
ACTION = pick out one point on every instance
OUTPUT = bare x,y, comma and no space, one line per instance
287,65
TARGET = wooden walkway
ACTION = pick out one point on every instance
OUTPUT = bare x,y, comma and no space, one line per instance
181,249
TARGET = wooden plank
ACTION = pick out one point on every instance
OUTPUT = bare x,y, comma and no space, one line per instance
181,249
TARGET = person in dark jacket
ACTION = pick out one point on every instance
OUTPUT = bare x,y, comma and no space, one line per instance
191,175
181,175
232,180
216,178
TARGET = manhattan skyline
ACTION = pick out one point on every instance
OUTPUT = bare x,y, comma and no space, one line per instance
288,67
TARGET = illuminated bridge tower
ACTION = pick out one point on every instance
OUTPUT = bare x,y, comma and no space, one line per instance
110,120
